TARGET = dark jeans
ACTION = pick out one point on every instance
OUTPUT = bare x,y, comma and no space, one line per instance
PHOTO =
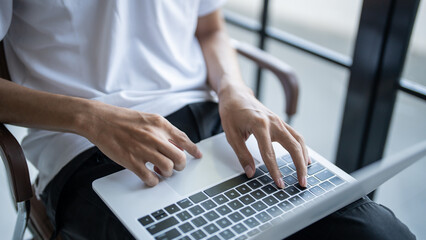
79,213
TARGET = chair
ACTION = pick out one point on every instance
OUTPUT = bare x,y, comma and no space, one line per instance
31,211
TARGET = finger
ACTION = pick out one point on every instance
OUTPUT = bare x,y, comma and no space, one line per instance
174,153
244,156
148,177
182,141
299,138
268,155
162,162
296,153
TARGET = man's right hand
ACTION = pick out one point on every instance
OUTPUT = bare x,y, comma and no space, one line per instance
132,138
128,137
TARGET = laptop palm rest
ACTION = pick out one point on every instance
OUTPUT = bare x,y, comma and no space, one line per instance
218,163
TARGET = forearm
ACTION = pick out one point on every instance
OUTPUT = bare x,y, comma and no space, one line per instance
223,72
31,108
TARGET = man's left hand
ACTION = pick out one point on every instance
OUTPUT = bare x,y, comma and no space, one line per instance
242,115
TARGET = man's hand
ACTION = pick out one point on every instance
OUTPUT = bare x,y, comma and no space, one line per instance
132,139
242,115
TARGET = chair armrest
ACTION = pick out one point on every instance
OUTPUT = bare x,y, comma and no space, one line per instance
282,71
16,166
4,72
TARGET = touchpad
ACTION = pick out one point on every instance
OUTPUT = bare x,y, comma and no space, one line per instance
218,163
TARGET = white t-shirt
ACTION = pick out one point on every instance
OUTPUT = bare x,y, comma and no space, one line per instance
139,54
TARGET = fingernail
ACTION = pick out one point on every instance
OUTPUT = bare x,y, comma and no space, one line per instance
199,154
249,171
304,182
281,183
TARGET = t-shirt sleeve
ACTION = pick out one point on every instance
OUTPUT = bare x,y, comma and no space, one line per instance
208,6
5,16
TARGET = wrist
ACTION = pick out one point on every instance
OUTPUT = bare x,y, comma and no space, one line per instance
84,118
234,90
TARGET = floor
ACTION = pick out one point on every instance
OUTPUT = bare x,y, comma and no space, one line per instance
323,88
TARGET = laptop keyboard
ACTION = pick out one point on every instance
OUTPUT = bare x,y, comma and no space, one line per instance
240,207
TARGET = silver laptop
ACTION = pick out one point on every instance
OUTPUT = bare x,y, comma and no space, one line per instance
213,199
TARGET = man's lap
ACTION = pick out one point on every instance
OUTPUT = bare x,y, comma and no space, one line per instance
81,214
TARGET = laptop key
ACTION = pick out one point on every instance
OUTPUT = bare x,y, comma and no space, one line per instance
289,180
209,204
146,220
296,200
211,228
258,194
287,159
297,185
251,222
257,173
291,165
259,206
185,238
236,217
268,189
235,204
326,174
222,187
286,171
227,234
172,234
214,238
199,234
199,221
274,211
241,238
285,206
336,180
254,184
281,195
196,210
232,194
246,199
160,214
247,211
281,162
263,217
264,168
239,228
223,210
186,227
160,226
327,185
220,199
253,232
306,195
184,203
223,222
291,190
183,216
198,197
243,189
314,168
172,209
212,215
312,181
265,226
317,190
270,200
265,179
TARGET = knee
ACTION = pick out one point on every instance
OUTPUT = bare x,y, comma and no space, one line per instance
372,221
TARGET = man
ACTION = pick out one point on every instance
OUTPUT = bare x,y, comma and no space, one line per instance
98,77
